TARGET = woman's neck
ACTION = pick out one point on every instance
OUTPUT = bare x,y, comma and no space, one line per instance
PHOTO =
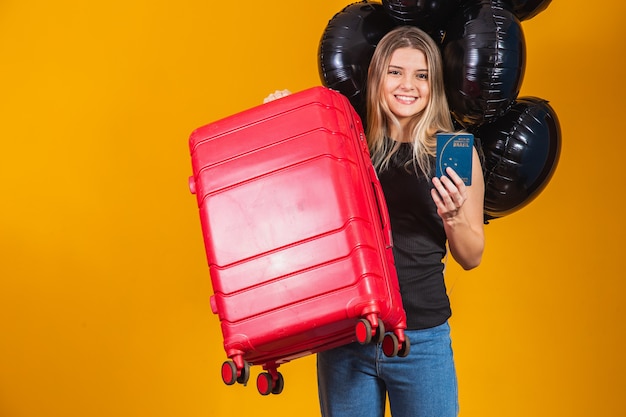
399,135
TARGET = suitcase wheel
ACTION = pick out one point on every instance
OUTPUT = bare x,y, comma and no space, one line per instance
230,374
365,334
380,332
392,347
405,348
266,384
363,331
245,374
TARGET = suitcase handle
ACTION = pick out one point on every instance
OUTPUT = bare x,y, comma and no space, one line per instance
192,184
381,204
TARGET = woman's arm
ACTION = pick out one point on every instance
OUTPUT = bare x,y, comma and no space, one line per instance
461,209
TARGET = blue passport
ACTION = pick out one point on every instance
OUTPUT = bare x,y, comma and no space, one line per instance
455,150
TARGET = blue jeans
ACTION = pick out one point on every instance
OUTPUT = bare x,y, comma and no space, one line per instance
354,379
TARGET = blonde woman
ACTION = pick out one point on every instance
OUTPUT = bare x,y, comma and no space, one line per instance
406,108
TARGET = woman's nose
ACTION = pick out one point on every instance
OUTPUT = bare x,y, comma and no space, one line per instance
406,82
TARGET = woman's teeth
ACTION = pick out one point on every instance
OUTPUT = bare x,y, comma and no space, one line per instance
406,99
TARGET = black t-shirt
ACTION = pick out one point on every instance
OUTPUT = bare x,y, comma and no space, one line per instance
419,242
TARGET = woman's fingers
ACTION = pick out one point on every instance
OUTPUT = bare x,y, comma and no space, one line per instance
276,95
449,193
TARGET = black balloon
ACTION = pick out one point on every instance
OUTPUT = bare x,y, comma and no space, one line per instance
484,61
429,15
347,46
526,9
521,150
484,57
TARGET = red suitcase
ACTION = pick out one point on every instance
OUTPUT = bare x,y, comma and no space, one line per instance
296,234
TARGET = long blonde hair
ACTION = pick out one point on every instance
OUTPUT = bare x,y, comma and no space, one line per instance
423,126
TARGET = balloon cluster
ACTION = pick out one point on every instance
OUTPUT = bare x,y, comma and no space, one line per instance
483,49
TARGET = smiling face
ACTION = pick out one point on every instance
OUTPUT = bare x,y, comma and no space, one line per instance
406,88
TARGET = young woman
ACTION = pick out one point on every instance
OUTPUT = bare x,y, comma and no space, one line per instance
406,108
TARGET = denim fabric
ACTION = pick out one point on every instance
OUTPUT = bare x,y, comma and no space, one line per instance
354,379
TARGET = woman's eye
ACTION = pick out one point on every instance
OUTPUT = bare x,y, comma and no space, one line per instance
393,72
422,76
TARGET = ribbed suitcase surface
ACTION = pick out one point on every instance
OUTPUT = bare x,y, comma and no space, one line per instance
296,234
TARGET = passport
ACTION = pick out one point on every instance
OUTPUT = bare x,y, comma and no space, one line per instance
455,150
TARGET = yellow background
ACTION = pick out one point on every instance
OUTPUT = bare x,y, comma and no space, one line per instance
104,285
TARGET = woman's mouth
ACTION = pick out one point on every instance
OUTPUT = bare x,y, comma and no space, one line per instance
406,99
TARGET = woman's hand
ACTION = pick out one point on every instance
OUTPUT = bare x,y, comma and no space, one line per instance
449,194
275,95
461,209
